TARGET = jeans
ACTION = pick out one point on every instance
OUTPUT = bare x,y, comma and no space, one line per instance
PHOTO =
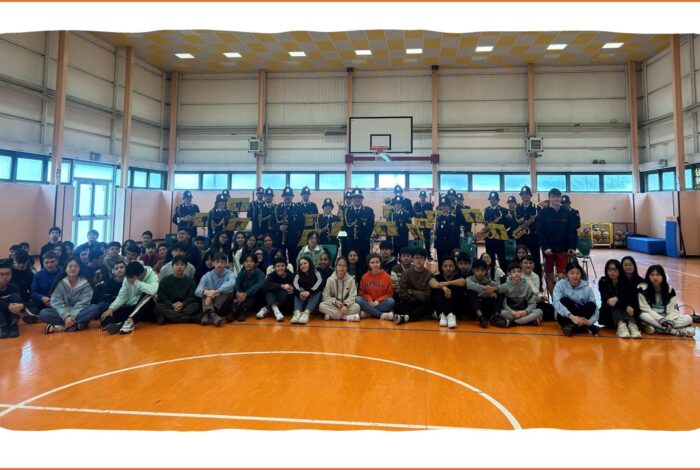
309,304
384,306
51,316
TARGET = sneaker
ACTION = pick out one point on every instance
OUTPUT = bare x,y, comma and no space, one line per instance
687,332
215,319
537,322
634,330
622,330
593,330
231,316
649,330
160,320
296,316
29,318
483,322
304,317
451,320
278,314
3,332
127,327
387,316
364,314
353,317
112,328
205,319
399,319
241,316
261,313
54,329
13,330
499,321
568,330
83,325
443,320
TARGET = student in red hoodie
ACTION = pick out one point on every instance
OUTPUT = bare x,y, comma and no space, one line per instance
376,294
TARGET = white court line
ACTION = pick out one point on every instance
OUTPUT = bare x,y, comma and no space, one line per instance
508,415
239,418
646,265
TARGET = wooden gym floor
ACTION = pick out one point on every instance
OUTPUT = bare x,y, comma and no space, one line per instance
371,375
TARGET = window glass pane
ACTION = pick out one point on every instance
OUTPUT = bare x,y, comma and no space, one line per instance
547,182
363,180
118,176
696,177
5,167
668,180
584,182
652,181
243,181
65,171
456,181
389,180
274,180
331,181
186,181
299,180
485,182
618,183
214,180
96,172
140,179
420,180
155,180
515,182
29,169
688,179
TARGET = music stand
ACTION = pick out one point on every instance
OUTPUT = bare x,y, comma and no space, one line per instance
384,228
238,204
336,228
498,232
416,231
310,220
238,224
386,211
473,216
305,236
201,219
431,215
422,223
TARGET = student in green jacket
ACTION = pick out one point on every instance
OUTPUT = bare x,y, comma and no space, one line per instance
139,289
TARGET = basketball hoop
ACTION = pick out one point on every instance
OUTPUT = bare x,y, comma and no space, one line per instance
380,152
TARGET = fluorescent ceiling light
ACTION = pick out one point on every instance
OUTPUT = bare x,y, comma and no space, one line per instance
613,45
363,52
184,55
232,55
414,51
297,54
484,48
556,47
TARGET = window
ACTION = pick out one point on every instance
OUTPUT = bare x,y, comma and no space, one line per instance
299,180
389,180
583,183
94,172
155,180
186,181
486,182
621,183
688,179
515,182
65,171
139,179
331,181
274,180
547,182
363,180
30,169
456,181
214,180
243,181
420,180
652,180
5,167
668,180
118,176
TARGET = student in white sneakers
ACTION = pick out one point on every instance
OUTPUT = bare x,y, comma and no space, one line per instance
617,308
138,290
376,297
307,294
339,295
216,291
449,292
574,302
658,306
527,264
278,290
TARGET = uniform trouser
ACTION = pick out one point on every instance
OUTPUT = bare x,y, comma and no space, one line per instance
490,306
678,321
309,304
384,306
292,251
455,304
332,312
427,233
611,316
530,317
586,311
87,314
188,314
279,298
220,303
533,246
415,309
398,243
122,313
497,249
547,311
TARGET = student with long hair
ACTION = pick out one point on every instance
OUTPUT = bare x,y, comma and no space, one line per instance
376,294
493,271
356,266
307,290
615,308
238,242
629,268
270,251
339,295
574,302
205,266
658,306
71,295
449,292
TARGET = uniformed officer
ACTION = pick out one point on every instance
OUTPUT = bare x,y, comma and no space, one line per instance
401,219
358,223
527,211
267,210
254,212
566,202
451,196
325,223
464,226
184,214
407,205
218,217
512,223
495,214
289,223
446,229
306,207
419,209
347,203
226,195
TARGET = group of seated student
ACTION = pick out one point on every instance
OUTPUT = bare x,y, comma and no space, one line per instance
120,285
